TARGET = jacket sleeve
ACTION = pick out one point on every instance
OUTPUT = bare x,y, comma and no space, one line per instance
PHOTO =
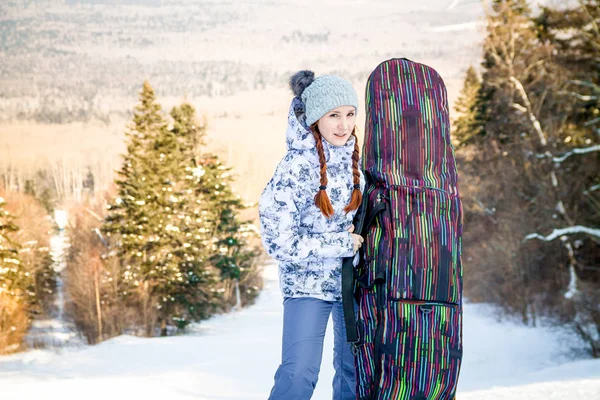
279,211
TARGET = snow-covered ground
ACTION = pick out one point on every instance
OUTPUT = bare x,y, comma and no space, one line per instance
234,357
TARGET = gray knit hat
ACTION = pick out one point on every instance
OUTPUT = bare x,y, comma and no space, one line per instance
322,94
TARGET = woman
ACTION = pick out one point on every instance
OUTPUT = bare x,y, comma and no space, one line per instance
306,213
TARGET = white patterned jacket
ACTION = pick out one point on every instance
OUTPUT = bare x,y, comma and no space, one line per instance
308,246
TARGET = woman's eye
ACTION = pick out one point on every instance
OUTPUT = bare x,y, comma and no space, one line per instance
333,115
351,114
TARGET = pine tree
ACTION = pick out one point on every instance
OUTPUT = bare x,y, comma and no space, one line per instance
232,256
224,236
14,281
509,52
160,219
141,215
190,133
173,215
15,286
518,7
575,35
194,292
466,126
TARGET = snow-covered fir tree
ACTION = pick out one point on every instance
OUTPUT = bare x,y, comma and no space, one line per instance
232,255
174,215
157,224
14,281
466,126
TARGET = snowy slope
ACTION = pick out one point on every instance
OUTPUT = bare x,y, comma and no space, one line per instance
234,357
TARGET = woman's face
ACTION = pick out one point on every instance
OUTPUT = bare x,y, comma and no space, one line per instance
337,125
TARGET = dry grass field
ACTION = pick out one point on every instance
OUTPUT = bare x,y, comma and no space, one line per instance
71,71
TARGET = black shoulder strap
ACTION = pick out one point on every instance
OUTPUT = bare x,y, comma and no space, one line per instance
348,266
348,299
359,218
379,207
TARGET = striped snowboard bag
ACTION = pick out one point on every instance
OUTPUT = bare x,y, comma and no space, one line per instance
407,330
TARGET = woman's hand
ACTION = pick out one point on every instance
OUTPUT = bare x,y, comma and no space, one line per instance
357,240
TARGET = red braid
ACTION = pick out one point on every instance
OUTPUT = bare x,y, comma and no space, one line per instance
356,192
321,198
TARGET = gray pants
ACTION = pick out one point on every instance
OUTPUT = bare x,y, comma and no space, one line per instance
304,324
